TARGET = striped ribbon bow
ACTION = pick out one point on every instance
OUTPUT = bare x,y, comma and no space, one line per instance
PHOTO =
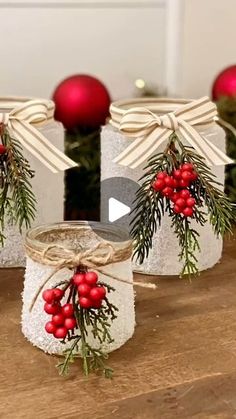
151,130
21,123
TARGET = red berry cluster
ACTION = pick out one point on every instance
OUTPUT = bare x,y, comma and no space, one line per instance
90,293
174,187
62,315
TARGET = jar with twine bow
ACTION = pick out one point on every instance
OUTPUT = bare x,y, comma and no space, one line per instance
142,132
29,136
60,254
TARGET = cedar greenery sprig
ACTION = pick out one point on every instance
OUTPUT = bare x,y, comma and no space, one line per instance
151,205
17,200
93,322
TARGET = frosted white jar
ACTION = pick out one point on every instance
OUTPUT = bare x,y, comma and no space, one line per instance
72,235
163,257
47,187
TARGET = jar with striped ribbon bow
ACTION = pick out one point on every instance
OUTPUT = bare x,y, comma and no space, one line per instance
177,223
32,162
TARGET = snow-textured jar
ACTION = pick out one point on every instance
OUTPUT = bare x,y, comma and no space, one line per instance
48,187
163,257
71,236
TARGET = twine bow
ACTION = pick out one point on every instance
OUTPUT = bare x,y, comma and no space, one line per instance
151,130
21,122
102,254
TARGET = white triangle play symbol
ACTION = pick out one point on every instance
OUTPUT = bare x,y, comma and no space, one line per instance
117,209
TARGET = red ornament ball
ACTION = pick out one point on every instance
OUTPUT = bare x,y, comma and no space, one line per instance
81,100
225,83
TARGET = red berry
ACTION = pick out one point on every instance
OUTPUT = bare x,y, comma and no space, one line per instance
177,209
97,304
61,333
183,183
50,327
58,319
180,202
187,166
67,310
188,212
186,175
175,183
169,181
175,196
58,294
70,323
91,278
3,149
191,202
161,175
103,292
185,194
78,279
97,293
158,185
167,191
52,308
84,290
48,296
194,176
177,174
85,302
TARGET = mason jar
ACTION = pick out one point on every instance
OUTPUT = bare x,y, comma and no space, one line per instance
163,258
73,236
48,187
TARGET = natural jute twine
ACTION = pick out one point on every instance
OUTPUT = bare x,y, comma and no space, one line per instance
102,254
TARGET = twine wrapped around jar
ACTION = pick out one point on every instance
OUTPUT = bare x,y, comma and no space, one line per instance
52,251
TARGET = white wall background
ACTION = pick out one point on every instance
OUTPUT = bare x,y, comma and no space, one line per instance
177,45
46,41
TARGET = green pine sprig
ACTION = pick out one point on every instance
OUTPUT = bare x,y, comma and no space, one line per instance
17,200
150,206
98,321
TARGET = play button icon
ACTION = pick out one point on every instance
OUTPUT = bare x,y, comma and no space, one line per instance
117,210
117,196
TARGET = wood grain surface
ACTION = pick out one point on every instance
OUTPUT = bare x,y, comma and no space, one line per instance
181,362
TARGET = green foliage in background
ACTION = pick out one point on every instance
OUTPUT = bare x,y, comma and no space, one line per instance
227,111
83,182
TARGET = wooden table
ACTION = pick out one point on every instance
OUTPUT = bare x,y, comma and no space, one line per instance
181,362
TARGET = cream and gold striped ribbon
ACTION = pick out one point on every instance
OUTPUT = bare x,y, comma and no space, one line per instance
21,117
150,127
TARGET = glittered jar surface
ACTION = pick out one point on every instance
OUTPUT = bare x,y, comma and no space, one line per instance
48,188
77,237
163,257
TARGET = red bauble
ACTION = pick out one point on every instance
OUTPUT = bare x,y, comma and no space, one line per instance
81,100
225,83
67,310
